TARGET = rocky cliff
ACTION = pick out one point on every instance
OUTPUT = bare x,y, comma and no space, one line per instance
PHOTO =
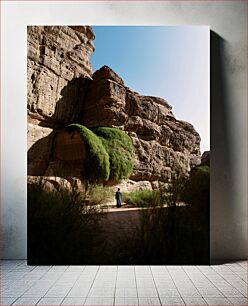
58,70
63,90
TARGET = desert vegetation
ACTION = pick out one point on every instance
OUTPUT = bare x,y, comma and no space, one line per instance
142,198
171,235
109,153
96,166
69,226
64,224
120,149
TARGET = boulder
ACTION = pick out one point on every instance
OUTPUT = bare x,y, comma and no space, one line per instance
40,141
52,183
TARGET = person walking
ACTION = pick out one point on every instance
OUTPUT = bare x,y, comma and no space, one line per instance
118,198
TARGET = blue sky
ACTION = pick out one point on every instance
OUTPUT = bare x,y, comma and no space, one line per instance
171,62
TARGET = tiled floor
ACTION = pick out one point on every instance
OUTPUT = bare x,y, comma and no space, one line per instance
123,285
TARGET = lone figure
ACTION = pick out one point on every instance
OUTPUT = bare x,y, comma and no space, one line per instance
118,198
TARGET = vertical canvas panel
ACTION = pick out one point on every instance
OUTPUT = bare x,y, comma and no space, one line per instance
118,145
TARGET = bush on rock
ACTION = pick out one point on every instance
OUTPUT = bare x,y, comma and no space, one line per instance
120,149
97,161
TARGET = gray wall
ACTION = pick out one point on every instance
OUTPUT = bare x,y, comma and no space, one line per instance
229,96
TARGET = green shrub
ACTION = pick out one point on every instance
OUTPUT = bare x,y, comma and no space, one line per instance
164,235
62,228
96,165
120,149
196,189
172,193
142,198
172,234
99,194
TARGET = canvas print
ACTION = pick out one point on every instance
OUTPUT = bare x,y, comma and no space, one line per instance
118,145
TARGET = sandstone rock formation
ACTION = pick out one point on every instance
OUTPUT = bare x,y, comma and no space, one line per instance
58,62
58,70
164,146
62,90
205,158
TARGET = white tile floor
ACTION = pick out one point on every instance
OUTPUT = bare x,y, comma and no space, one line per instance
123,285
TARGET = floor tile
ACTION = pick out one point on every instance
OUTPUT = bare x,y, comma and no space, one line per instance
142,269
88,269
39,289
217,301
126,274
51,275
128,285
147,292
71,275
126,301
108,268
58,291
7,301
165,292
149,301
165,284
79,291
167,301
106,275
164,275
73,301
230,292
33,275
58,268
125,283
239,301
42,268
26,301
23,268
126,292
194,301
50,301
75,269
209,292
142,282
15,275
158,268
13,292
125,269
102,292
99,301
85,279
104,283
189,292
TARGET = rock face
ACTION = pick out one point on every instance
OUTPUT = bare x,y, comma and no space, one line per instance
62,90
164,146
205,158
58,68
58,71
40,141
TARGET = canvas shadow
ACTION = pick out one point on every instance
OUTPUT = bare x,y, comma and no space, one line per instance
222,176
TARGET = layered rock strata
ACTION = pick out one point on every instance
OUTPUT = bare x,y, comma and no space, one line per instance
63,90
58,71
164,146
